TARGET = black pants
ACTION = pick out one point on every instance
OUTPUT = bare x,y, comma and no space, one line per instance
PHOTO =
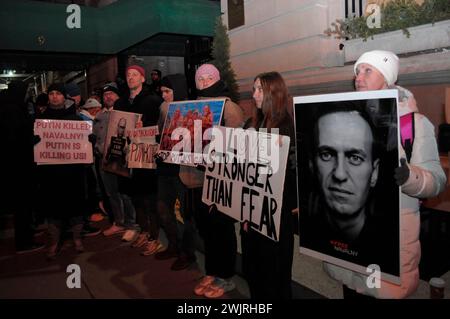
267,264
219,236
146,214
19,201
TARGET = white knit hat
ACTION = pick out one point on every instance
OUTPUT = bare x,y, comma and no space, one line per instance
384,61
90,103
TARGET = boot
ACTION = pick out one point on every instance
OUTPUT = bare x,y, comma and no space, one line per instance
76,229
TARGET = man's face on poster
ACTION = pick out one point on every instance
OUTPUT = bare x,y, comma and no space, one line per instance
345,168
121,126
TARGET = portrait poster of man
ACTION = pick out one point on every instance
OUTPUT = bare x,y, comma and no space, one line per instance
63,142
117,142
347,152
143,147
244,177
187,130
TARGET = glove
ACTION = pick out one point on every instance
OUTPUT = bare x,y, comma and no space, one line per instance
158,159
401,173
92,138
36,139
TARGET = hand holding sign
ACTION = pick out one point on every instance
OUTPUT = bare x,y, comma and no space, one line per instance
92,138
401,173
36,139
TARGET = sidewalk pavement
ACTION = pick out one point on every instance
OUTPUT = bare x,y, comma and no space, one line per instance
109,268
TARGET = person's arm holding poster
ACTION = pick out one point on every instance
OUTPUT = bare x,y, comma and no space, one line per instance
426,176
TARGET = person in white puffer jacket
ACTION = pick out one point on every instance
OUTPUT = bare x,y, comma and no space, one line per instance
421,177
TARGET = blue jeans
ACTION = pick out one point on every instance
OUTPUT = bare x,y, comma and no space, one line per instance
121,204
180,236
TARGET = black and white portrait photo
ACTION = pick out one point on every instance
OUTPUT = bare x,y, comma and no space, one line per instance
347,151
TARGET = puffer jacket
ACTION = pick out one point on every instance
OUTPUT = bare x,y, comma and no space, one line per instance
426,179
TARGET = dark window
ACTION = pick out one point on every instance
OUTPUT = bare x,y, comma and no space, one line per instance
236,16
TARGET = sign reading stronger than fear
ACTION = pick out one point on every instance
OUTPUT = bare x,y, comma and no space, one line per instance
244,177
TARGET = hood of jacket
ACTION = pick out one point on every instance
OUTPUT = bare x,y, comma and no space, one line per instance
406,101
177,82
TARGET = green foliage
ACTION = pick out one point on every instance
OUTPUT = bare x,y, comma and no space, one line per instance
395,15
221,58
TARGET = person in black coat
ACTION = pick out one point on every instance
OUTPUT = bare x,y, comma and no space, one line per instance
18,167
62,186
142,187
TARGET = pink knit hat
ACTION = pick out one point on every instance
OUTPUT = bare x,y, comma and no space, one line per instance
138,68
207,69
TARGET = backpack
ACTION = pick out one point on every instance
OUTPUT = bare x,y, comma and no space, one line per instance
407,130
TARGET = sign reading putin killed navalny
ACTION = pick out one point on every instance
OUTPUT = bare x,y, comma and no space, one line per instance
63,142
244,177
347,153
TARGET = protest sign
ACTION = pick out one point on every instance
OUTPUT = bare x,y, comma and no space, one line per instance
187,130
347,152
63,142
244,177
116,143
143,147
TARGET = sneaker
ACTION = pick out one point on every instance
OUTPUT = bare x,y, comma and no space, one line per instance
141,240
97,217
152,247
114,229
130,235
30,249
203,285
182,262
89,231
219,287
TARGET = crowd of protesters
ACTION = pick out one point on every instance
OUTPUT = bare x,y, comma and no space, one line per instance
66,196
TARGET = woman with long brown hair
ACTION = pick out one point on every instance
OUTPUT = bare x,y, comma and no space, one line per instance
267,264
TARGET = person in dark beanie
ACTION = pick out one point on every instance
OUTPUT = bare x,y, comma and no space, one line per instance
62,186
170,187
73,92
155,87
